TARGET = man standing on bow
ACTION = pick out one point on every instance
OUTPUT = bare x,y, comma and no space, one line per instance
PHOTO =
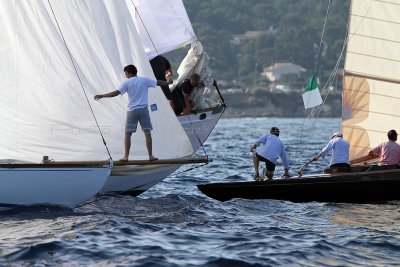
137,89
269,153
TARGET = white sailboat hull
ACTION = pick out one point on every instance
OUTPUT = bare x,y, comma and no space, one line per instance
66,187
199,126
134,180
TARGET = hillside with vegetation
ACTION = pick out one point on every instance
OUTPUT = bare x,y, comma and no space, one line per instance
243,38
289,31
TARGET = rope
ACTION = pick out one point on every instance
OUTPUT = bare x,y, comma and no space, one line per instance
80,81
322,36
190,169
97,198
148,34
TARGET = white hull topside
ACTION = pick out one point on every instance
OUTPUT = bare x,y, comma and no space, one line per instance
134,180
137,179
59,186
199,126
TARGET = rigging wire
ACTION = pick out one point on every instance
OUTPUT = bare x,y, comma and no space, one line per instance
322,36
325,89
155,48
79,78
315,68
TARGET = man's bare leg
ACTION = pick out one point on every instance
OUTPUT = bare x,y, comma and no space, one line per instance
127,145
149,145
256,163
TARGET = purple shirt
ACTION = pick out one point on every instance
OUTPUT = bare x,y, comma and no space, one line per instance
389,153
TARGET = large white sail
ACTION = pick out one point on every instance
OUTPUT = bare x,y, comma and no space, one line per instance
43,108
163,25
371,93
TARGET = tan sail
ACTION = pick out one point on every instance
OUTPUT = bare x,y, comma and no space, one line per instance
371,88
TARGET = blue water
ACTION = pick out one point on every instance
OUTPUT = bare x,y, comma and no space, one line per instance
173,224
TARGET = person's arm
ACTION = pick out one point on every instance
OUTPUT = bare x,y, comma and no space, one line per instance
259,141
376,151
163,83
326,149
110,94
253,148
285,162
168,75
188,107
317,157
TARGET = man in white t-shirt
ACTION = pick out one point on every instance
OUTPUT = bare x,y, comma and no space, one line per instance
137,89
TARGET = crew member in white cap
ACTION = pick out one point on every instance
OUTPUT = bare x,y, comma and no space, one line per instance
340,151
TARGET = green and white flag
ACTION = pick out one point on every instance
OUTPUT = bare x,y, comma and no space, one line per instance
311,96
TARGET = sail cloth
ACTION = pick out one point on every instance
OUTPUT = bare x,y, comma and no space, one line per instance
371,89
163,25
197,61
311,96
43,109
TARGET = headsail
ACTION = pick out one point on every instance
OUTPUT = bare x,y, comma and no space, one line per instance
43,108
162,25
371,90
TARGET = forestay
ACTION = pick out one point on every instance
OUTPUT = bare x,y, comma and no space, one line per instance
166,31
371,94
43,108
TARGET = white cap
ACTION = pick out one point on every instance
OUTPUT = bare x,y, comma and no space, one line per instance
338,134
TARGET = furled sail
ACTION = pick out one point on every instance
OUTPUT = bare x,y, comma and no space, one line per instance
163,25
43,108
371,90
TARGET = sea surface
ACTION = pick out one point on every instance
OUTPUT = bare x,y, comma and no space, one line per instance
174,224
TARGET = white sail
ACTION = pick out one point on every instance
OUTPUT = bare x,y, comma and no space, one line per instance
371,93
163,25
43,108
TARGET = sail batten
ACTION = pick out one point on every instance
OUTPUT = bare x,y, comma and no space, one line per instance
370,77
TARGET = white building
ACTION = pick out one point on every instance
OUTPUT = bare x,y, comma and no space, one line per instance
274,72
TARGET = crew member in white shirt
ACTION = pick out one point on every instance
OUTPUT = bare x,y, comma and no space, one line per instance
137,89
272,149
340,151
